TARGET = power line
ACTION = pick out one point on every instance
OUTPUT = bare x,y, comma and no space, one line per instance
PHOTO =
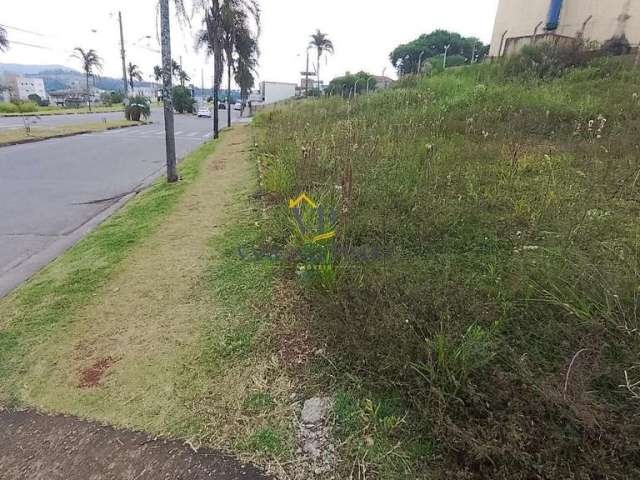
22,30
32,45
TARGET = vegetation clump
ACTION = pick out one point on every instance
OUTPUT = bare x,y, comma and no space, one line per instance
495,332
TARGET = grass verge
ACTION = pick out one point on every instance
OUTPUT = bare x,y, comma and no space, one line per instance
156,322
36,134
46,303
48,111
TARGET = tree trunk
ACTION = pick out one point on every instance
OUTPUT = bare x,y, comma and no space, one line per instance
88,93
170,139
216,104
319,72
229,93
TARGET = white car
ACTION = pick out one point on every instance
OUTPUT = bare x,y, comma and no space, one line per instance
238,106
204,112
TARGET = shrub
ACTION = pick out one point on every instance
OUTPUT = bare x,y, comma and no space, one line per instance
546,60
18,106
183,102
137,108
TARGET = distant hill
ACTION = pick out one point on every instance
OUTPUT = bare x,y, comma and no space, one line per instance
58,77
19,69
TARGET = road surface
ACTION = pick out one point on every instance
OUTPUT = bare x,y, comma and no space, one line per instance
53,192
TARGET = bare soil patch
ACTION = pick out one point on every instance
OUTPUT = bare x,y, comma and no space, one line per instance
40,447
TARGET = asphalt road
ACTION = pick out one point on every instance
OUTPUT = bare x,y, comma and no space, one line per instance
53,192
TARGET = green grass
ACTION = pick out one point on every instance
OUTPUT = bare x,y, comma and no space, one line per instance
37,133
47,302
507,211
29,109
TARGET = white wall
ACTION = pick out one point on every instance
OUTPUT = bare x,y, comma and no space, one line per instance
520,18
25,86
276,91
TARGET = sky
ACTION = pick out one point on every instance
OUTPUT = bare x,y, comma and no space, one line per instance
363,32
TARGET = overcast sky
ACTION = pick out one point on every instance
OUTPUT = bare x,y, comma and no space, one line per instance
363,32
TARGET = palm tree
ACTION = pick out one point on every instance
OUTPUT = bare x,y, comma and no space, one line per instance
90,61
320,41
134,74
215,12
184,77
4,40
157,73
246,63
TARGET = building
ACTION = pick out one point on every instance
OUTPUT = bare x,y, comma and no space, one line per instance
273,92
522,22
21,87
382,82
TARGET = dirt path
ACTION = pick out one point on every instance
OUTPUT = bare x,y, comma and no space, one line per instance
37,447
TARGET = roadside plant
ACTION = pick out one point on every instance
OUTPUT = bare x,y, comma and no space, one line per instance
138,107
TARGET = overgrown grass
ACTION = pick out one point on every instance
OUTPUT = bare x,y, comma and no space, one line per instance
47,302
503,313
20,135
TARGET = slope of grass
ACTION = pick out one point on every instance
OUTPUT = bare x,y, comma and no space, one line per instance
495,332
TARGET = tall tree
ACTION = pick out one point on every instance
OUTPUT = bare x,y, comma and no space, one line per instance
134,74
409,57
239,41
320,41
90,61
4,40
183,77
157,73
214,13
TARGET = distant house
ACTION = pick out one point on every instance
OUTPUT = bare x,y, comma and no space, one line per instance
382,83
21,87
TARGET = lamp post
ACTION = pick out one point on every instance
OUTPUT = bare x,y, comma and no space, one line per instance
446,50
355,87
420,63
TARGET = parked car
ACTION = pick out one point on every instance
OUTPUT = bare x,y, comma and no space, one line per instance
222,106
204,112
238,107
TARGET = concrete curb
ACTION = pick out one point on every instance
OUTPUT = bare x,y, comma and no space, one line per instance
65,135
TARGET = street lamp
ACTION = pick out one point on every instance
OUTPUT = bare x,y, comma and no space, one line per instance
446,50
355,87
368,80
420,63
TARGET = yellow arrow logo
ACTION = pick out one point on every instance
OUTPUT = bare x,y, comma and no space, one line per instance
302,198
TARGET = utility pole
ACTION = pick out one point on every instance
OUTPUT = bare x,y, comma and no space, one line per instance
123,56
306,75
170,139
446,50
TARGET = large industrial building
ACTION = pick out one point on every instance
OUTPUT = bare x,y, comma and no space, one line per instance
521,22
